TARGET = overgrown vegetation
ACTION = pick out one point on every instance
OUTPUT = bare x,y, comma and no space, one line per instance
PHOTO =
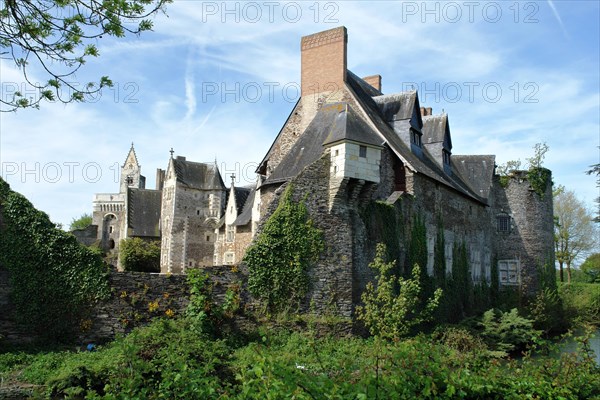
392,306
82,222
54,280
537,176
281,255
136,254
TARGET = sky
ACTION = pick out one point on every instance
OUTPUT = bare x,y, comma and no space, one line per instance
217,80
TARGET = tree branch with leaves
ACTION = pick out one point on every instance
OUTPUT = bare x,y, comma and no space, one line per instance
58,36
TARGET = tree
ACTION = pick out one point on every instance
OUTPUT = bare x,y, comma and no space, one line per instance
138,255
81,223
58,36
595,170
591,267
574,231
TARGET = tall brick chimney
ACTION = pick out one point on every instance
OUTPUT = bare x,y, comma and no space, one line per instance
323,61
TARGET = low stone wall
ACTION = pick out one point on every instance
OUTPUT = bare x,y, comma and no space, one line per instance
136,298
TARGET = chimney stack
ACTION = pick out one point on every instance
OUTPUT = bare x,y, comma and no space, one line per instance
160,178
374,81
426,111
323,62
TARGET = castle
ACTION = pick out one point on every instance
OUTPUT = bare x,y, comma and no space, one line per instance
344,145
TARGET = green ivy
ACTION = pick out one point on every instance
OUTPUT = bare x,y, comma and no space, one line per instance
54,280
439,263
280,257
382,225
539,178
417,247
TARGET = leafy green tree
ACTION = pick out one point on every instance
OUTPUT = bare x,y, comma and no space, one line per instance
591,267
139,255
507,331
595,170
574,231
281,255
393,306
57,37
81,223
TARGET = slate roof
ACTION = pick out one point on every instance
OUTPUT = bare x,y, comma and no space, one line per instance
245,216
388,114
478,171
375,107
198,175
436,129
241,196
332,123
143,212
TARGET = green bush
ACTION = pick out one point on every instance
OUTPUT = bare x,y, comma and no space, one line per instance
581,302
507,332
392,307
140,255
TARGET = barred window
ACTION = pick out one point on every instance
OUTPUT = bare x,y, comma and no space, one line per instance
503,223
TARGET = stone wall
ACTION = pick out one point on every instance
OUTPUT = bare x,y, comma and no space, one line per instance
86,236
136,298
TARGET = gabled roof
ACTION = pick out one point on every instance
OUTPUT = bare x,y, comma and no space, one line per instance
477,170
143,212
347,125
436,129
245,216
198,175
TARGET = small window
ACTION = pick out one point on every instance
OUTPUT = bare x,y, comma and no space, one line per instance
230,233
508,272
503,223
337,153
446,157
111,244
229,258
362,151
110,229
335,168
415,137
129,180
208,238
198,212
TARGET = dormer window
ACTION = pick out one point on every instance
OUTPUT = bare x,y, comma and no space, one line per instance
129,180
446,155
415,138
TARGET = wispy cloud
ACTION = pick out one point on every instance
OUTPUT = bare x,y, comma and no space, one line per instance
190,84
557,16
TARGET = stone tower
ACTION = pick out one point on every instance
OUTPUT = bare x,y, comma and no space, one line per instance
131,173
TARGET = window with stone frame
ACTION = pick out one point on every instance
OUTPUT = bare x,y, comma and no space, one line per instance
509,272
362,151
229,258
503,222
230,233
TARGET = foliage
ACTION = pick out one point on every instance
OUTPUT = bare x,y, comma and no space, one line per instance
507,331
439,262
167,360
537,175
82,222
381,221
202,314
417,247
280,257
591,267
388,313
581,302
574,231
57,37
595,170
546,310
54,280
136,254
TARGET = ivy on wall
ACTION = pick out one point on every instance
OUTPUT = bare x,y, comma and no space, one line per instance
54,280
280,257
382,224
417,247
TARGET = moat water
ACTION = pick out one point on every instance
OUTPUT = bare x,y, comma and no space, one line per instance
571,345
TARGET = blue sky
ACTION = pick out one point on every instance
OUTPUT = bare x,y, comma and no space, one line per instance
217,80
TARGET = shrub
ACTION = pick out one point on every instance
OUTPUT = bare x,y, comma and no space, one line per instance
506,332
139,255
393,307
